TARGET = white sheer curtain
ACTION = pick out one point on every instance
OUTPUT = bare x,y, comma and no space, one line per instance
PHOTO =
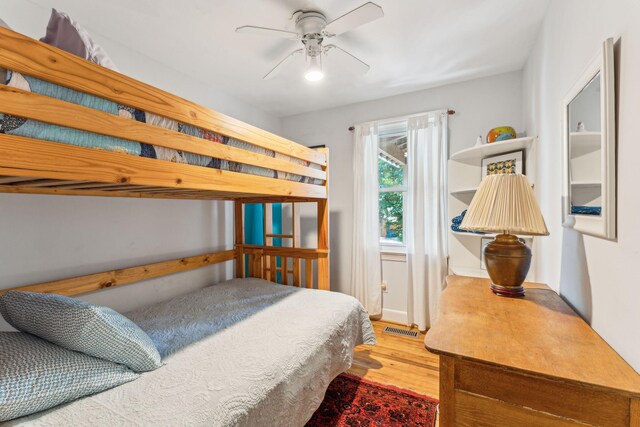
426,236
366,273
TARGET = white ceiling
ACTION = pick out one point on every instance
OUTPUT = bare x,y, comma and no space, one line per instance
418,44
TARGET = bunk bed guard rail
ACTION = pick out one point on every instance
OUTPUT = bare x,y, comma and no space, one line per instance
30,164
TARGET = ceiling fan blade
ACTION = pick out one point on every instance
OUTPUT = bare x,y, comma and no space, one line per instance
275,70
357,64
362,15
262,31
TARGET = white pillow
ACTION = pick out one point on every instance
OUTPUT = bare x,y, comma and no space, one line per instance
66,34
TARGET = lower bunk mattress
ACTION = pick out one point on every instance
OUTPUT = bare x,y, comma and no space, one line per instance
246,352
19,126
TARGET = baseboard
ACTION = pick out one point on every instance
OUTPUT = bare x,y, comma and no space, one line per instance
396,316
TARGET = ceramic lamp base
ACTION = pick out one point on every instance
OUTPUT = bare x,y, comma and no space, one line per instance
508,260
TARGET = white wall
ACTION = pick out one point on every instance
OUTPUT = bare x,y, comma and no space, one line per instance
480,105
596,276
50,237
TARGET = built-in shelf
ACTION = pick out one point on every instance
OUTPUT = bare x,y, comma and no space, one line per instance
462,233
587,138
586,184
468,191
583,143
469,271
464,191
465,171
479,152
585,134
490,235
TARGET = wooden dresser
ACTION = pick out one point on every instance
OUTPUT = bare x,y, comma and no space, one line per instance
528,361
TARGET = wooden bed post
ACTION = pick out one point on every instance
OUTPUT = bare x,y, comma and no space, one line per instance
323,243
239,238
295,230
323,231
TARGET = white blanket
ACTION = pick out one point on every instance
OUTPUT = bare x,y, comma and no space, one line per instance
241,353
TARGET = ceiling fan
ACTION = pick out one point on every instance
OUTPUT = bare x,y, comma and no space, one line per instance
312,29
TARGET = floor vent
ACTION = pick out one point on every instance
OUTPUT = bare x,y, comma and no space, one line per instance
401,332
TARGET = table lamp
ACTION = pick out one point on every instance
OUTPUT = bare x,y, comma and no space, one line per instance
506,204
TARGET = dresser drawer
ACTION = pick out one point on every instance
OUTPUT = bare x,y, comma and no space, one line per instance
508,389
477,411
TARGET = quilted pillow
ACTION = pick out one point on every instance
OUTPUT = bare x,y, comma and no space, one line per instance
36,375
80,326
66,34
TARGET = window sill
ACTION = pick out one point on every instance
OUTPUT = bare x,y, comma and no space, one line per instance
396,253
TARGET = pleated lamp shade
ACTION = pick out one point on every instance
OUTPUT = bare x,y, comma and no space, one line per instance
505,203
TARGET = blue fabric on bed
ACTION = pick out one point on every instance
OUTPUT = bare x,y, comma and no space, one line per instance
47,132
65,94
80,326
457,220
37,375
43,131
586,210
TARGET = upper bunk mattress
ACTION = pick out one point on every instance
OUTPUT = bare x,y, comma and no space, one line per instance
245,352
19,126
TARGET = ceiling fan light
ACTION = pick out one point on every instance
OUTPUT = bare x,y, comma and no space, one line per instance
314,71
314,75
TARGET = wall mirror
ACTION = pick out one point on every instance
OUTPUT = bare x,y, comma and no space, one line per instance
589,146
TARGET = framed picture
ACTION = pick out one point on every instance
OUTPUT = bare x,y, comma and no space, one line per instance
483,242
504,163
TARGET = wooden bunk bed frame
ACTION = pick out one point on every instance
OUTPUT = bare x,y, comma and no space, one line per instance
32,166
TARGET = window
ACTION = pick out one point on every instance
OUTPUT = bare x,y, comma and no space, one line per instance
392,180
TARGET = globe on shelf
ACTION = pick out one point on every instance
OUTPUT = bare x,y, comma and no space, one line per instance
501,133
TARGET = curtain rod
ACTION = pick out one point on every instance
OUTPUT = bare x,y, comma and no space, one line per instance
449,113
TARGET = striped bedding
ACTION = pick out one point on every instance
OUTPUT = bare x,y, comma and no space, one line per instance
38,130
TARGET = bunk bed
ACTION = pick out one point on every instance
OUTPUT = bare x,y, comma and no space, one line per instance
117,168
71,127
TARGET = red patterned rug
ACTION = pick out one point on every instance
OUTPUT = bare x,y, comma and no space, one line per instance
352,401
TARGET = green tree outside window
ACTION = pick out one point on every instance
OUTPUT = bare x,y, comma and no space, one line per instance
391,203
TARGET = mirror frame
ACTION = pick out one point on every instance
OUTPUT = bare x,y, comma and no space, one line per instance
603,225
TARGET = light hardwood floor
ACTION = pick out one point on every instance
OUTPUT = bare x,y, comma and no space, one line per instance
399,361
